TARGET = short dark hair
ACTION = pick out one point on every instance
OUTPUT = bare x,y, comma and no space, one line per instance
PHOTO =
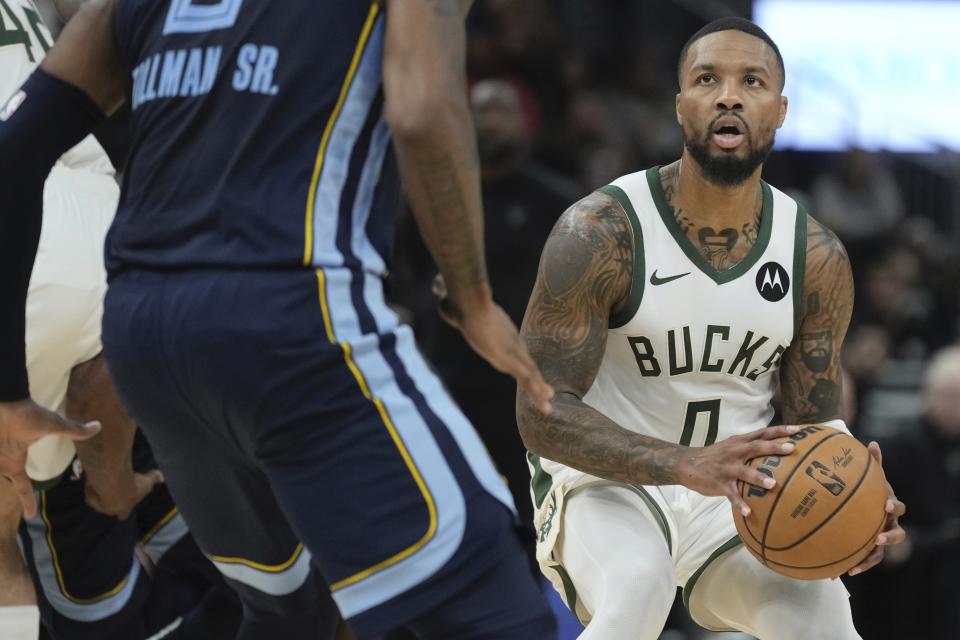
730,24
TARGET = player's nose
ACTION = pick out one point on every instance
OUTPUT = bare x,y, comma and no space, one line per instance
729,98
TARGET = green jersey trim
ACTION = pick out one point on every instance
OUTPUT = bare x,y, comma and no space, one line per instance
625,314
658,514
541,482
799,267
737,270
569,591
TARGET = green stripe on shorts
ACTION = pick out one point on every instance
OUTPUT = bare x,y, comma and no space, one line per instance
722,549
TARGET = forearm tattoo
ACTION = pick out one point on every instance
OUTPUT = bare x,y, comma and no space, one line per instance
811,375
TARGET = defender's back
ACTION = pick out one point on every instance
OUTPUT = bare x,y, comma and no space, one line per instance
258,136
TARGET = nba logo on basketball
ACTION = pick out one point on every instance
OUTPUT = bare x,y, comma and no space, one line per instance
825,478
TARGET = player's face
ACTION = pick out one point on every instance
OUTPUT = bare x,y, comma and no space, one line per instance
729,106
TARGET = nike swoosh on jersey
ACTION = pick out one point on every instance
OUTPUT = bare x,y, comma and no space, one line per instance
654,280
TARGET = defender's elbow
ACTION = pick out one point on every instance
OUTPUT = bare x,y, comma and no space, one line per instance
418,104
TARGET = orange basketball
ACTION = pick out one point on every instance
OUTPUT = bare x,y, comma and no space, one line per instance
824,514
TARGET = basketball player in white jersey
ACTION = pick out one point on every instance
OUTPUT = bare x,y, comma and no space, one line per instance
669,307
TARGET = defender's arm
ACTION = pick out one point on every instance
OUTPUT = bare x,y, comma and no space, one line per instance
425,90
810,373
55,109
85,55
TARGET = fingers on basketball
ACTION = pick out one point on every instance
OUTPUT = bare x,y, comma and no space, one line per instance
779,431
750,475
870,561
764,448
739,504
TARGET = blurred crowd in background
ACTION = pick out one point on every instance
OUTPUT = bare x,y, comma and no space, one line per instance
568,95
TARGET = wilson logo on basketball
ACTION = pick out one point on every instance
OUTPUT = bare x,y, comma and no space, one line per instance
767,465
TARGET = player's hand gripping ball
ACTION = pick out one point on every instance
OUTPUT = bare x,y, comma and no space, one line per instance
825,512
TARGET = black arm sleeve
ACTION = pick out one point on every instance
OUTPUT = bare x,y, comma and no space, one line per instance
38,124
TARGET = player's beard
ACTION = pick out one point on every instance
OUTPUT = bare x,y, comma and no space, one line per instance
724,169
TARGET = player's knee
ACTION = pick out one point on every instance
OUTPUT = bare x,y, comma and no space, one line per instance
824,622
819,609
636,587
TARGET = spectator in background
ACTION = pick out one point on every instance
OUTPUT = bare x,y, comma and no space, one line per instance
859,200
916,585
891,294
866,354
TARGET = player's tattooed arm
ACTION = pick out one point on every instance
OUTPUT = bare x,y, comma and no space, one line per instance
810,374
585,275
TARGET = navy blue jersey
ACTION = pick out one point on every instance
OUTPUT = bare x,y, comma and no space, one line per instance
258,136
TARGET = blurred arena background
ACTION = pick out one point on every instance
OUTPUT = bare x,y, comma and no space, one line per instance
569,94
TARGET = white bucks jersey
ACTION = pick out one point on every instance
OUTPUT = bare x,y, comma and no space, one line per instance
693,358
24,41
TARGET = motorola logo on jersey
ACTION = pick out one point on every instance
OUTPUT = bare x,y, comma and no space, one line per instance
773,282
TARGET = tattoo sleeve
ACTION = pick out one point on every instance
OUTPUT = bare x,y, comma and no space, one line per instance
810,375
585,273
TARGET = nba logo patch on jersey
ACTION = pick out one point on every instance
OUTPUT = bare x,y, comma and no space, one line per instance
773,282
12,105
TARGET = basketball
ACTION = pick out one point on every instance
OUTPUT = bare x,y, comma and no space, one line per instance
824,514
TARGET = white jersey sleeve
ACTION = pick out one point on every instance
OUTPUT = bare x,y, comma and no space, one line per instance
24,41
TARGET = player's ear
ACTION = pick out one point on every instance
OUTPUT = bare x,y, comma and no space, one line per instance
680,117
783,111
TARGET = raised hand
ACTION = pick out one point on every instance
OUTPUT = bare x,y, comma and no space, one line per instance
21,424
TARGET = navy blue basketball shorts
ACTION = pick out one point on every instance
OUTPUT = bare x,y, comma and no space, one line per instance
90,582
291,407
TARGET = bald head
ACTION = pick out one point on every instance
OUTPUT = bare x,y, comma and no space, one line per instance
942,390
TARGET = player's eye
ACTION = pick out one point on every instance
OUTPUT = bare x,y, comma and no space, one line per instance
753,81
706,78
